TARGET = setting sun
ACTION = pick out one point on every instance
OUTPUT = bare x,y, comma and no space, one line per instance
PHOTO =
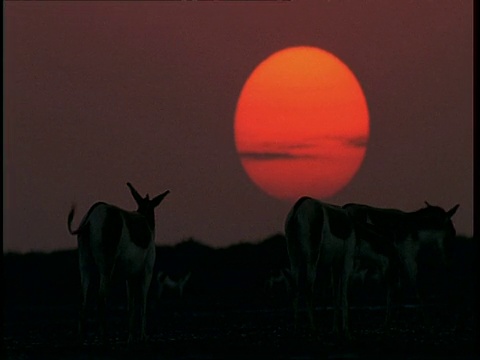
301,124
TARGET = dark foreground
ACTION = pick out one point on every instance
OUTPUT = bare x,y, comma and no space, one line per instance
228,312
49,333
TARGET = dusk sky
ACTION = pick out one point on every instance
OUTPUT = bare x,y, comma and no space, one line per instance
98,94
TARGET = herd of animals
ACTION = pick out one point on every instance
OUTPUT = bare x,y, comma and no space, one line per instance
347,240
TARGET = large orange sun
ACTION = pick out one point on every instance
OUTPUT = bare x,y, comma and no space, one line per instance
301,124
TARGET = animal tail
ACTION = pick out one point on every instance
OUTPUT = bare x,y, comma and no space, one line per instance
71,214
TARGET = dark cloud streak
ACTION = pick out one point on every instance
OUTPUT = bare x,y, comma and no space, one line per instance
356,142
268,156
298,146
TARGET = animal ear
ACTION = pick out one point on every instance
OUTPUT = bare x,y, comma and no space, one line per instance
135,194
452,211
426,202
158,199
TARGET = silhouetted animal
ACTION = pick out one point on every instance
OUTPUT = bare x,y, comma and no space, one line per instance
400,236
164,281
110,238
323,234
279,279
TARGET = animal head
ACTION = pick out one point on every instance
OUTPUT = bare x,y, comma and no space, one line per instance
146,206
436,224
436,217
439,210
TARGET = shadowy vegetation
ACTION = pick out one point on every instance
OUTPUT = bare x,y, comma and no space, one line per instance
226,275
234,276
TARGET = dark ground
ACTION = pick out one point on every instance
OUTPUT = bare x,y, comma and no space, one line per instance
234,334
226,313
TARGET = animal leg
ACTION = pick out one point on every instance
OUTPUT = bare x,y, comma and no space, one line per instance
145,285
86,263
344,304
132,290
102,304
411,269
309,295
388,315
295,297
392,285
345,276
85,283
336,301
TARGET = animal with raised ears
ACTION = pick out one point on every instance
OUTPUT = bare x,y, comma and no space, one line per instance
165,281
320,234
278,280
408,232
110,238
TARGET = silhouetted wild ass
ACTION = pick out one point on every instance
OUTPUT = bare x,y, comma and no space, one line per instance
353,238
110,238
406,233
320,234
165,281
278,282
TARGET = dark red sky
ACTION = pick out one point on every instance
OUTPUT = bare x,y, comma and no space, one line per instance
100,93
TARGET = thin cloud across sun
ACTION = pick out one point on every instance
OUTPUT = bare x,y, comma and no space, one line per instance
269,156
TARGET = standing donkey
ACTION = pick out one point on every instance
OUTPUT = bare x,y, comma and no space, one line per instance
409,232
110,238
320,234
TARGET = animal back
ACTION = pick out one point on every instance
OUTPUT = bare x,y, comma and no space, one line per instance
140,233
339,223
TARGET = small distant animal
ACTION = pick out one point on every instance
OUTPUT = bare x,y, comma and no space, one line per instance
110,238
165,282
279,279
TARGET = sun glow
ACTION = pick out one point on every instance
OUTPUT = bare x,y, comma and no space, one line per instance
301,124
